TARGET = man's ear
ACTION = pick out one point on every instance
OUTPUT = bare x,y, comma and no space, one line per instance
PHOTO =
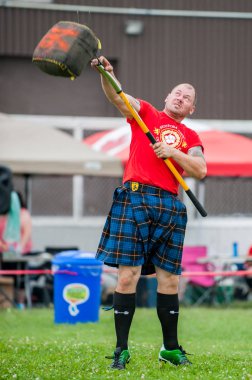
167,98
192,110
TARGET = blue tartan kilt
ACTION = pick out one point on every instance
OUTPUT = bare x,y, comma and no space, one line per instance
145,227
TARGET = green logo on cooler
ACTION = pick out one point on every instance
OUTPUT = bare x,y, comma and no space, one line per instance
75,294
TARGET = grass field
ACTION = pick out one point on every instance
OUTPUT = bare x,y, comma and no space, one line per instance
33,347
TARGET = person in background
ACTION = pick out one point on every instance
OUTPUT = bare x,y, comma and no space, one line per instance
145,228
24,245
21,247
248,278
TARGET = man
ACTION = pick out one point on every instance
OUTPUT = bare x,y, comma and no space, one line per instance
144,231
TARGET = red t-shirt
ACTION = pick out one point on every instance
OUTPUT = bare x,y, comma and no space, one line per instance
143,165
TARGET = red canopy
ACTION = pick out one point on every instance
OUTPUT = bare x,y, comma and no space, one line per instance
227,154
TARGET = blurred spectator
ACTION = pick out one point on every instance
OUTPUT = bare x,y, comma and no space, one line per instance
16,239
243,285
24,244
248,279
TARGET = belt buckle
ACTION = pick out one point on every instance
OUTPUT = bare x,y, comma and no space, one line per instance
134,186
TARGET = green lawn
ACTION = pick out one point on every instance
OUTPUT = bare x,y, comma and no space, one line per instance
33,347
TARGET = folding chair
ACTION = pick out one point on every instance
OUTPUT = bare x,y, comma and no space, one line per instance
42,284
204,285
6,292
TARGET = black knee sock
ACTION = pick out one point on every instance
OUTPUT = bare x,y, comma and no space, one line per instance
124,309
168,313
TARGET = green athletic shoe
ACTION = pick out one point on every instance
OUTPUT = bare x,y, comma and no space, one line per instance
176,357
120,358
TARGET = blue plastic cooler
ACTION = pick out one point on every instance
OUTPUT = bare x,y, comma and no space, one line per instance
77,287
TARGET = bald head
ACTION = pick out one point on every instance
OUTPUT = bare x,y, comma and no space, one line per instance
189,87
181,101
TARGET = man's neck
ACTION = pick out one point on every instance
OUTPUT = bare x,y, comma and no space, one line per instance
174,116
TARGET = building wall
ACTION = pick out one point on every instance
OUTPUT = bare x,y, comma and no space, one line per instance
212,53
210,5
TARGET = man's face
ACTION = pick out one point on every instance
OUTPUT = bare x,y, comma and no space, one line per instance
180,102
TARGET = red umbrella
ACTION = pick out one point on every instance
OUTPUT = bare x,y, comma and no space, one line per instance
227,154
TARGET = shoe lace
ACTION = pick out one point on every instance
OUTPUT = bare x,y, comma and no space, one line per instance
109,357
117,358
183,351
108,308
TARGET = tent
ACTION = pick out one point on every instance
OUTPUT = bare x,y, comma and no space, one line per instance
227,154
34,149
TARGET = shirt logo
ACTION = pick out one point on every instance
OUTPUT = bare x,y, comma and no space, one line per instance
172,137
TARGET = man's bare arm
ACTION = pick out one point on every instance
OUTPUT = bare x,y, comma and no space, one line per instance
110,92
193,163
196,151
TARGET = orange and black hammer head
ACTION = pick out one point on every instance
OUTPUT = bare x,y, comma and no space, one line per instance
66,49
